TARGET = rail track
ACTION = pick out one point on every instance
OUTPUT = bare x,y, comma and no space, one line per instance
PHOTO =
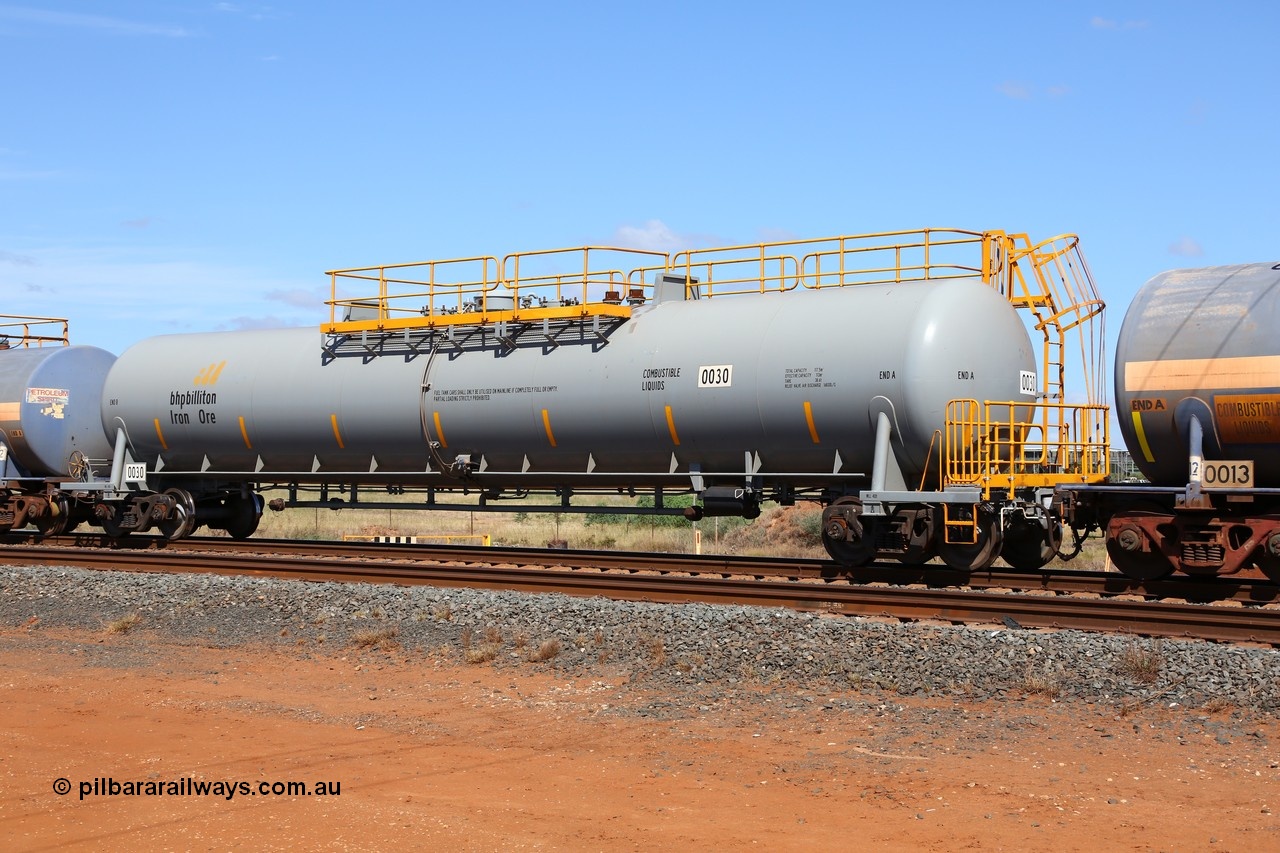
1097,601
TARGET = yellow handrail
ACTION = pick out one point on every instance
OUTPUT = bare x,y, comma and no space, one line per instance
1006,446
17,330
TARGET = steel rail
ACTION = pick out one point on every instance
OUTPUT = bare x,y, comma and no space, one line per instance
1062,580
1147,618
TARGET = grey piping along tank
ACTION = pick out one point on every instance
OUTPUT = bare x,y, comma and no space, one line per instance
50,408
789,385
1202,342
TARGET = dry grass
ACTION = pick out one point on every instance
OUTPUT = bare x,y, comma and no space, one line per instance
654,648
124,624
779,531
1142,664
1040,684
688,663
535,529
546,650
382,638
482,653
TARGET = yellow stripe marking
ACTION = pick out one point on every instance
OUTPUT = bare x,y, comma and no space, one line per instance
546,423
244,433
333,419
439,430
808,418
1183,374
160,436
671,428
1142,437
213,377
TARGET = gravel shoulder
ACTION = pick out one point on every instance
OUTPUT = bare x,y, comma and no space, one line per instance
500,721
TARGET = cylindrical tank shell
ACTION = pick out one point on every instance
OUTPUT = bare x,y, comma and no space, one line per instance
1202,342
50,406
784,381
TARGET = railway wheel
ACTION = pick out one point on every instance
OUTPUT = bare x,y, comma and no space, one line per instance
1139,565
977,555
244,516
846,534
1267,557
53,520
1126,538
182,519
110,525
1028,546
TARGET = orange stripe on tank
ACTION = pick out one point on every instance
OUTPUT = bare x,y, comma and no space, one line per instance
439,429
333,419
808,418
546,423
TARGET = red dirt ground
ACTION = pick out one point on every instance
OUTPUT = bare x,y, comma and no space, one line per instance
480,758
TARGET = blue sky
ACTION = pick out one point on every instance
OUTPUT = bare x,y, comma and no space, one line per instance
190,166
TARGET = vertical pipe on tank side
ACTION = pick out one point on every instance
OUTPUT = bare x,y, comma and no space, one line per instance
117,462
1195,440
881,462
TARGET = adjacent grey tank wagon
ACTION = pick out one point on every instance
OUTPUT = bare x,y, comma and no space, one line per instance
911,382
1197,380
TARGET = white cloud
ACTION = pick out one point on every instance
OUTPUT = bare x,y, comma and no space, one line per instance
1186,247
653,236
91,22
1020,91
115,296
656,236
300,297
1012,89
14,258
140,222
241,324
27,175
776,235
254,13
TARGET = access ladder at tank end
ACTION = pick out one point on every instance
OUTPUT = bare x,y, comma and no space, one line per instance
1011,447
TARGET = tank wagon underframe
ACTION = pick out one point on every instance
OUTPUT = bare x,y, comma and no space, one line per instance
728,374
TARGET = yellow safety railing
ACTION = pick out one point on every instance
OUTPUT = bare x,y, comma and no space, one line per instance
608,280
928,254
409,292
19,331
545,284
599,274
1005,446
